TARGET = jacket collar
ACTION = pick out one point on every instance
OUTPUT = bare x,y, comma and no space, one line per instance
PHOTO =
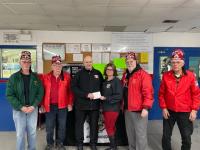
128,74
88,70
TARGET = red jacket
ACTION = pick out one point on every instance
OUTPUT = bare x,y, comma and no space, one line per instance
65,96
179,97
140,90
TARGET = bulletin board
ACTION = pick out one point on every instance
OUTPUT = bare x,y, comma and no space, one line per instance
73,53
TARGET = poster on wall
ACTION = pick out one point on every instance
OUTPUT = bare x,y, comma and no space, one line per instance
105,58
72,68
101,47
114,55
96,58
73,48
52,49
78,57
86,47
165,65
130,41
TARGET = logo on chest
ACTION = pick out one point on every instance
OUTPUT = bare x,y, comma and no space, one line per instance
108,86
96,76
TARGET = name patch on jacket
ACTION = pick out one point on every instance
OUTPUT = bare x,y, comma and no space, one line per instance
96,76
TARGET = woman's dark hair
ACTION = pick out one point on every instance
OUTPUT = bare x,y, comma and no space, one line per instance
113,67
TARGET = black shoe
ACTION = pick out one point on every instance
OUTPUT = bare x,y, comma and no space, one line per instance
61,147
113,145
49,147
93,147
80,147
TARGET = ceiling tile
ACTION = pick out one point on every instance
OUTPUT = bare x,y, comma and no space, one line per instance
91,2
91,11
26,9
19,1
182,29
4,10
140,21
123,11
93,15
165,3
155,12
5,26
136,3
192,4
184,13
55,2
70,21
70,28
43,27
139,28
93,28
59,10
158,28
92,21
118,21
25,19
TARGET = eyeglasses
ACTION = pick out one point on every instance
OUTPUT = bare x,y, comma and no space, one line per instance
130,61
109,69
175,62
57,65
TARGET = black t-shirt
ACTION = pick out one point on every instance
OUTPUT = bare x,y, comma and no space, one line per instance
125,90
26,80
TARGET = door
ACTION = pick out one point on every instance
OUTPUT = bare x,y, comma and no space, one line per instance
162,64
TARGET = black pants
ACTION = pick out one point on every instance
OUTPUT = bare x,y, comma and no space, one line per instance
80,116
61,116
185,126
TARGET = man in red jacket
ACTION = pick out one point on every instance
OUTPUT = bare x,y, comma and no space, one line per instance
57,101
138,99
179,99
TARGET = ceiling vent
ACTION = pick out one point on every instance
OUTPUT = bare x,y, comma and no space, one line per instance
114,28
170,21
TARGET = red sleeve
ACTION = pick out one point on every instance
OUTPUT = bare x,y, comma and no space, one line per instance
195,91
161,94
147,91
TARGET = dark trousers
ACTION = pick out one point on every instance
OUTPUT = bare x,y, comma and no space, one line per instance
185,126
59,115
80,117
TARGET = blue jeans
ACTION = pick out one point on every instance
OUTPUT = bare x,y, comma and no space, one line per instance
25,123
59,116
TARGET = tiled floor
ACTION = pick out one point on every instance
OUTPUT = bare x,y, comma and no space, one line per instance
7,139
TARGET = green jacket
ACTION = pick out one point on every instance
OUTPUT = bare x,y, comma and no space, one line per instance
15,90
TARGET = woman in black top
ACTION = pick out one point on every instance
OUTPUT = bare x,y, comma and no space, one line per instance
111,97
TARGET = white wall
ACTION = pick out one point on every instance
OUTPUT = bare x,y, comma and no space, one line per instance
39,37
159,39
176,39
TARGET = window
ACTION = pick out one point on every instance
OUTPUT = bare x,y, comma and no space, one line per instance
10,61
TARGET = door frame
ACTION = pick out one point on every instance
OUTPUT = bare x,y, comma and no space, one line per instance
166,51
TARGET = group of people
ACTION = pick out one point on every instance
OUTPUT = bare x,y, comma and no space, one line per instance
56,94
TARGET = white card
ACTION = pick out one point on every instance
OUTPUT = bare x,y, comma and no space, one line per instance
96,95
